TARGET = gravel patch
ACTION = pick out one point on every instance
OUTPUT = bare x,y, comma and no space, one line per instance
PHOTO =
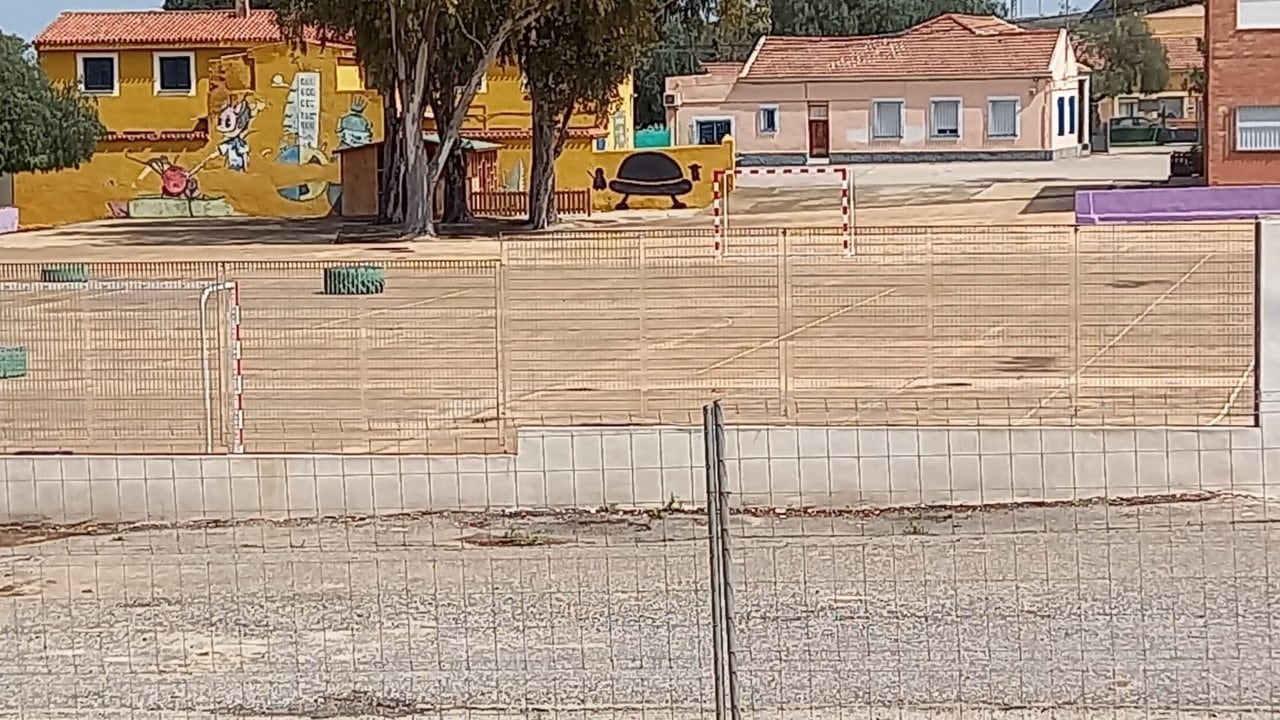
1070,611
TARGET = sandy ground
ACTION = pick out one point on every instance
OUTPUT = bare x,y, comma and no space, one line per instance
630,317
1080,612
956,194
1147,326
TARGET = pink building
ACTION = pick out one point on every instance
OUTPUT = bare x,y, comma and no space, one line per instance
956,87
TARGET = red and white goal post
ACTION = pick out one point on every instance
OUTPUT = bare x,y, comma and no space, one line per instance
720,196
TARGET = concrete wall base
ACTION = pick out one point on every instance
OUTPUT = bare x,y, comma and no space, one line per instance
647,467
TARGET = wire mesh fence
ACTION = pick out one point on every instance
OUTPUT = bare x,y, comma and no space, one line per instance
921,326
847,599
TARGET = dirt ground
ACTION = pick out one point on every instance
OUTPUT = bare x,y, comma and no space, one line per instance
979,194
1150,326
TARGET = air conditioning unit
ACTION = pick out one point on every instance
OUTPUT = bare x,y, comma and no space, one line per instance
671,100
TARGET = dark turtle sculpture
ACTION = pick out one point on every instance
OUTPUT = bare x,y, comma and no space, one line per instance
649,174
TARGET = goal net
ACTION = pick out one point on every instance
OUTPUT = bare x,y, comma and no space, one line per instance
766,197
119,367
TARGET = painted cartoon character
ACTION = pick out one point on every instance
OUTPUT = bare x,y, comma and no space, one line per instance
175,180
233,122
354,129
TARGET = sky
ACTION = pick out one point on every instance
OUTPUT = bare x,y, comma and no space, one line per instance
28,17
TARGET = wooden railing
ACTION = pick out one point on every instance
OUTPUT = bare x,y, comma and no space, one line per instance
514,203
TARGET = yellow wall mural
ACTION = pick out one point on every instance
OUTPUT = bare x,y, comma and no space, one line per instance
260,141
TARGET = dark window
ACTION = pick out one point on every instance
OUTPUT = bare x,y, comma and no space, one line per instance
99,74
175,73
711,132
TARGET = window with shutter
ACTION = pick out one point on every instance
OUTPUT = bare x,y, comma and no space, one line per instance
944,118
1002,118
886,119
1258,128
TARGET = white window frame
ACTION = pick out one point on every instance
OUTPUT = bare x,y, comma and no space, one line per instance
777,119
1255,123
1017,112
1257,23
159,55
115,66
693,125
1130,100
902,119
933,132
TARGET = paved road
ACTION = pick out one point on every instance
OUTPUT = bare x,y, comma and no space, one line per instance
1092,611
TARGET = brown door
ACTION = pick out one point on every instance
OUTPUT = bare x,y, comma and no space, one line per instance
819,140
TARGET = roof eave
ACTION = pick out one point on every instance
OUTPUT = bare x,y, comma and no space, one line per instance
894,78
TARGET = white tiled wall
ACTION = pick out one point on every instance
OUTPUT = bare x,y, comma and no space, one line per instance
648,467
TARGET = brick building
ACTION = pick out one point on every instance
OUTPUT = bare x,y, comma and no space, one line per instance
1242,102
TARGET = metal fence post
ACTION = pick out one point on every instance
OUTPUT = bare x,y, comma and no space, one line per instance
726,564
712,467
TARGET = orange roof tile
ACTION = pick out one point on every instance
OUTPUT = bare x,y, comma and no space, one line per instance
964,24
161,27
926,54
1183,52
722,68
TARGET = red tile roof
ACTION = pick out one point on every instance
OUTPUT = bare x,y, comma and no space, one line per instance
946,46
161,27
1183,52
964,24
722,68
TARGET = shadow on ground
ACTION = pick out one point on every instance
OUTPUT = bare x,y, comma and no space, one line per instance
1062,198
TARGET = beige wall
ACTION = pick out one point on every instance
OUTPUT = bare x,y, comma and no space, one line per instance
707,97
1183,21
849,110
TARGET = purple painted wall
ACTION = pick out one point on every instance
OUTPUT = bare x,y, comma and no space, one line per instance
1177,204
8,220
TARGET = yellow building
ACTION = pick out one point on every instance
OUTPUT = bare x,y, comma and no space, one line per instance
212,113
501,113
209,114
598,155
1180,30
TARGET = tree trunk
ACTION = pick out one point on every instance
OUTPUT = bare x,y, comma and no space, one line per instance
542,169
391,191
456,189
419,194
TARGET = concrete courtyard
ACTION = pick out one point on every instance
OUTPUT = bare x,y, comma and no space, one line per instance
958,194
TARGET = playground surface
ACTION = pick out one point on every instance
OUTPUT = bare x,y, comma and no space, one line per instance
919,326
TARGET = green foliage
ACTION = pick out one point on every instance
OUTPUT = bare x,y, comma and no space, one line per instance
872,17
577,58
1125,57
693,32
219,4
400,42
43,126
1195,80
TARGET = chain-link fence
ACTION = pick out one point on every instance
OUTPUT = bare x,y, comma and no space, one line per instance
1137,326
834,598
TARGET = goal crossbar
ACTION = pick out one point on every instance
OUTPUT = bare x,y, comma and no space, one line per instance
720,193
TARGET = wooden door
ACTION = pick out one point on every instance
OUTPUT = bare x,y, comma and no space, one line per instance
819,138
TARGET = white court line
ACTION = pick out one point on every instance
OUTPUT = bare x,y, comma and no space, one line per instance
814,323
1235,395
1075,376
692,335
666,345
383,311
